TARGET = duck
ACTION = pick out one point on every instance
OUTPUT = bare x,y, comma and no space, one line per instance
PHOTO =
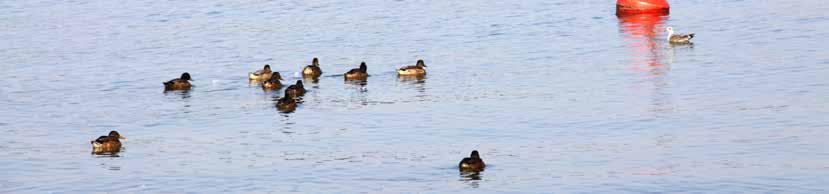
312,70
273,82
358,73
262,74
473,163
677,37
182,83
286,103
295,90
109,143
417,69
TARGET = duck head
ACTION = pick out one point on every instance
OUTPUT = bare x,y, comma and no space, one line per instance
363,67
315,62
299,83
474,154
420,63
186,76
276,76
116,135
267,67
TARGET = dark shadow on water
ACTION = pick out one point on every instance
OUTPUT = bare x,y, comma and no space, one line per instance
107,154
470,175
472,179
360,82
689,45
412,79
184,94
286,113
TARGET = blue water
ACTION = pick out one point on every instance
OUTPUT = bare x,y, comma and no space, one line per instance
558,96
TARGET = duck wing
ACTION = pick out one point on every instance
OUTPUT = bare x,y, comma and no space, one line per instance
410,67
353,71
172,81
103,139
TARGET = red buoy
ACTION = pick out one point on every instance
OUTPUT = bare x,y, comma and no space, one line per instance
641,6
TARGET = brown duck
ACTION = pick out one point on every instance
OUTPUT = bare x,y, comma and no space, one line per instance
182,83
286,103
417,69
473,163
312,70
262,74
273,82
295,90
109,143
358,73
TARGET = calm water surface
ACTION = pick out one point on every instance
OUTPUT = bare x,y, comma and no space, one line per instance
559,96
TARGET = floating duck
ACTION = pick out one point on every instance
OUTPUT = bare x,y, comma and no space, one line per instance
472,164
262,74
182,83
273,82
358,73
677,37
286,103
417,69
312,70
109,143
295,90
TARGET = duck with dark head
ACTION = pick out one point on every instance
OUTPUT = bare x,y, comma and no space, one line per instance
296,90
287,103
182,83
357,73
108,143
312,70
473,163
273,82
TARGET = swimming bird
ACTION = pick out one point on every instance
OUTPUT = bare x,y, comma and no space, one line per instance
262,74
109,143
295,90
472,164
312,70
181,83
358,73
273,82
417,69
286,103
677,37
